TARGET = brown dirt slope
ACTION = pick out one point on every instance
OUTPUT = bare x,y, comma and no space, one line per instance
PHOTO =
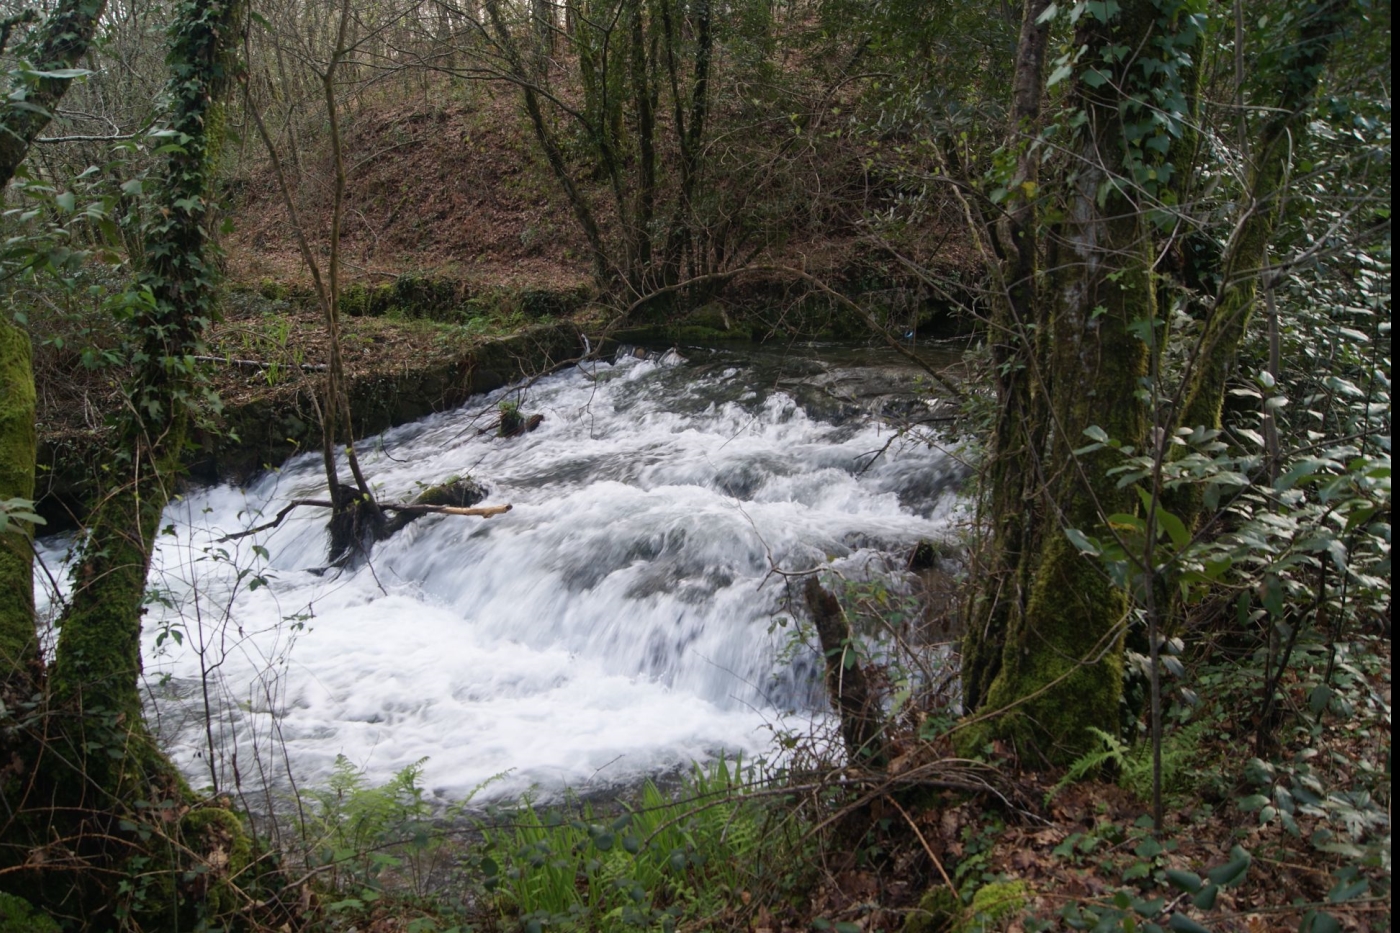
449,186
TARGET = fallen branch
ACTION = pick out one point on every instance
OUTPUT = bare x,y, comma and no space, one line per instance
258,364
481,511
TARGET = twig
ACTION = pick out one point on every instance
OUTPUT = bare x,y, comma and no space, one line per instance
924,842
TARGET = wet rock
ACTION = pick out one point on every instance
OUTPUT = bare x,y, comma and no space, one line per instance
457,492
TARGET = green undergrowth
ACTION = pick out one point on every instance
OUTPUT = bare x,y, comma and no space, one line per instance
664,862
1311,787
657,859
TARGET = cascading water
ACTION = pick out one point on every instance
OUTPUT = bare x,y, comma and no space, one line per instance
617,622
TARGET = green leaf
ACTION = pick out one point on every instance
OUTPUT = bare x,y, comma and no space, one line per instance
1094,78
1183,880
66,201
1205,898
1319,922
1233,872
1318,698
1185,924
1148,848
1174,528
1345,892
1059,74
1084,543
59,74
1124,520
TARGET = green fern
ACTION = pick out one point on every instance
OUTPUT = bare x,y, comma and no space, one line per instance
1112,749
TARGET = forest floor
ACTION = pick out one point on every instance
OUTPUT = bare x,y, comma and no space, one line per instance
1281,828
1288,822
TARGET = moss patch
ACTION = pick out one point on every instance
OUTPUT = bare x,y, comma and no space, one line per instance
18,916
997,903
939,911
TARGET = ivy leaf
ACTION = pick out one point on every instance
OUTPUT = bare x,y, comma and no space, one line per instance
1094,78
1345,892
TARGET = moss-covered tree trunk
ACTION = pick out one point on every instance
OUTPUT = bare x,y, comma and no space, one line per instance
1044,646
91,757
18,645
1021,418
54,48
97,666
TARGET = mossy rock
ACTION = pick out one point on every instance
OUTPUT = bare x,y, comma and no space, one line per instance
456,492
19,916
995,904
939,911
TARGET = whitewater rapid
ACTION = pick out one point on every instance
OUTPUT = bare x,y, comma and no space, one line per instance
621,620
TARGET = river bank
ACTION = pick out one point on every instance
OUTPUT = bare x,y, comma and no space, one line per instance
411,347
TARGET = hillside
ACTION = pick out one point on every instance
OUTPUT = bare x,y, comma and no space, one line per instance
451,187
450,183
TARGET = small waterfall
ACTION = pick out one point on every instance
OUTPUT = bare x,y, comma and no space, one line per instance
619,621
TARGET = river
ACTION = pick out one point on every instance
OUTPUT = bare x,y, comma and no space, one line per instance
623,619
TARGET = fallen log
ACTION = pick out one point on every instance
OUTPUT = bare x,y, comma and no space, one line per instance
410,508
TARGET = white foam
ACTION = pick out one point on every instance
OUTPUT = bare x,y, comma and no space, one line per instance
617,622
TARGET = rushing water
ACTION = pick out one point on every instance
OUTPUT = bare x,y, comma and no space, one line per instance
618,621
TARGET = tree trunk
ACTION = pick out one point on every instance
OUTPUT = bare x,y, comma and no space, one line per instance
855,699
19,648
63,41
90,758
60,43
1021,420
1047,634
